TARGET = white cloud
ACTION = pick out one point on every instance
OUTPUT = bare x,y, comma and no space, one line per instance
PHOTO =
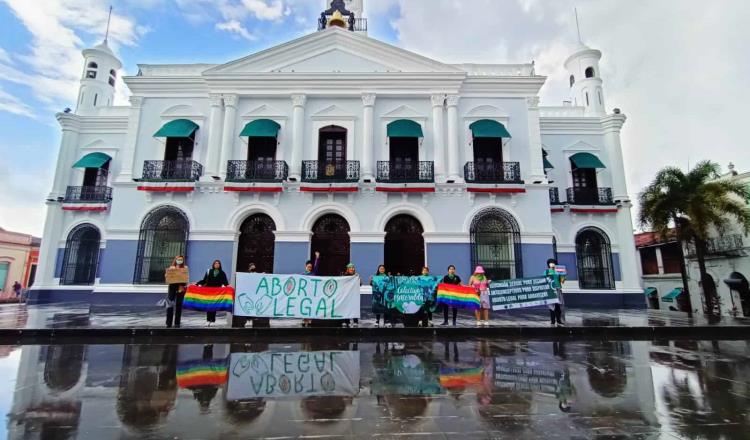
236,27
11,104
264,10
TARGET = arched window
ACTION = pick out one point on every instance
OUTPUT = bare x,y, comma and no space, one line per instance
62,366
589,72
93,65
81,256
256,244
404,245
96,97
594,257
496,244
587,99
572,80
112,73
599,94
331,239
112,76
164,234
607,372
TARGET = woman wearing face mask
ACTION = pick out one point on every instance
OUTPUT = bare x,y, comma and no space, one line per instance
555,310
176,295
450,278
215,277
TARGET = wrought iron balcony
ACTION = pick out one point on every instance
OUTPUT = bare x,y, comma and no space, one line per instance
88,194
319,171
257,171
590,196
554,196
393,172
357,25
172,170
731,244
499,172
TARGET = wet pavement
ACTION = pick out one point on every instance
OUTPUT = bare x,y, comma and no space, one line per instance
342,389
80,315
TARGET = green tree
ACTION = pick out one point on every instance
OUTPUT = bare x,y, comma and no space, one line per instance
694,203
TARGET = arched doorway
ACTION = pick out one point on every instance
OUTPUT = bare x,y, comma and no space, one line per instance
710,295
404,245
164,234
594,258
738,283
256,244
81,256
331,239
496,244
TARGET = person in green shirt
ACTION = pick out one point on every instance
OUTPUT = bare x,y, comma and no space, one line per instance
555,310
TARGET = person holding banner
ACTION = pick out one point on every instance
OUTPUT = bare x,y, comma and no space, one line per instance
482,285
351,271
555,310
176,290
311,269
429,300
214,277
378,300
450,278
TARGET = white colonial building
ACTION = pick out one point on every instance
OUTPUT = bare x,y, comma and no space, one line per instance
339,143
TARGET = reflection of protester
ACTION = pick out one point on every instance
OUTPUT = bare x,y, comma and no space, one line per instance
378,300
480,282
351,271
17,289
214,277
563,390
204,394
311,269
175,295
450,278
555,310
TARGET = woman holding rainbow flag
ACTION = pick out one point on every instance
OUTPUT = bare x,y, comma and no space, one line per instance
214,277
480,282
453,279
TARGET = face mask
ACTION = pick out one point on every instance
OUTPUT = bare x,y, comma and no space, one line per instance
552,265
180,261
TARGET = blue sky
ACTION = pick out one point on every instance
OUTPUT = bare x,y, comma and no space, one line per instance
677,68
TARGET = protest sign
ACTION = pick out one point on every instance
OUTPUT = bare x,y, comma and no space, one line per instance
522,292
288,374
177,275
296,296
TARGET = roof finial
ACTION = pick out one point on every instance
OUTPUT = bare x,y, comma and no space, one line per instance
578,26
106,34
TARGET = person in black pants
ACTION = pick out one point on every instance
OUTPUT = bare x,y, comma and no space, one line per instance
215,277
176,295
450,278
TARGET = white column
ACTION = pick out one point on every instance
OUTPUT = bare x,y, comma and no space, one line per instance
228,136
612,125
368,120
45,277
626,242
438,127
536,166
128,167
214,146
453,145
298,139
659,259
68,147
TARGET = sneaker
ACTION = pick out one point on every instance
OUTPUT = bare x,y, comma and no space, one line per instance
389,325
209,324
479,323
445,323
377,324
355,325
486,323
430,324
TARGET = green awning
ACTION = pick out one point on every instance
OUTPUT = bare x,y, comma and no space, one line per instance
649,291
668,298
586,160
547,164
486,128
261,128
405,128
92,160
177,128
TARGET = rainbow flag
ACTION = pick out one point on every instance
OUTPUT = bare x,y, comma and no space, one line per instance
201,373
460,377
460,297
209,299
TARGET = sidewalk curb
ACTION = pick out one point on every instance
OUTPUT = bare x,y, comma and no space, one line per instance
236,335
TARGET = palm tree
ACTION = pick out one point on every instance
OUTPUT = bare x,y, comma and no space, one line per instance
694,204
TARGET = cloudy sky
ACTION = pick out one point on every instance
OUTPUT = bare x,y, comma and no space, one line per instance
678,68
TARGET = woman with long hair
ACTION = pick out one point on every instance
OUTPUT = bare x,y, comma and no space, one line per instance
482,284
175,294
214,277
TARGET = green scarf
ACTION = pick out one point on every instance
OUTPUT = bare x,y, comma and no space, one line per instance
216,272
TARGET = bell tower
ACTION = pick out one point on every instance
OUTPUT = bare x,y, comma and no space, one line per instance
346,14
585,80
100,66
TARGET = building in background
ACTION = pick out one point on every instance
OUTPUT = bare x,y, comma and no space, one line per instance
19,254
338,143
662,264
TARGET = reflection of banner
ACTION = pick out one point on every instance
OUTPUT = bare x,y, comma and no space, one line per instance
282,374
460,377
209,299
296,296
522,292
407,375
460,297
201,373
524,376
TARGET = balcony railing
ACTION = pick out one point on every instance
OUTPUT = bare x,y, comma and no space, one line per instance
554,196
499,172
359,25
724,245
88,194
172,170
318,171
590,196
257,171
397,172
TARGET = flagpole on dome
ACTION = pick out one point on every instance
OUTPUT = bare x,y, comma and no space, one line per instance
109,18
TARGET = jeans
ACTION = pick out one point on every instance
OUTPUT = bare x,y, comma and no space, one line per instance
556,315
174,314
445,313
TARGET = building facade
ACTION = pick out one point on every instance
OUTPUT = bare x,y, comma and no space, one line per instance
19,254
338,143
662,264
